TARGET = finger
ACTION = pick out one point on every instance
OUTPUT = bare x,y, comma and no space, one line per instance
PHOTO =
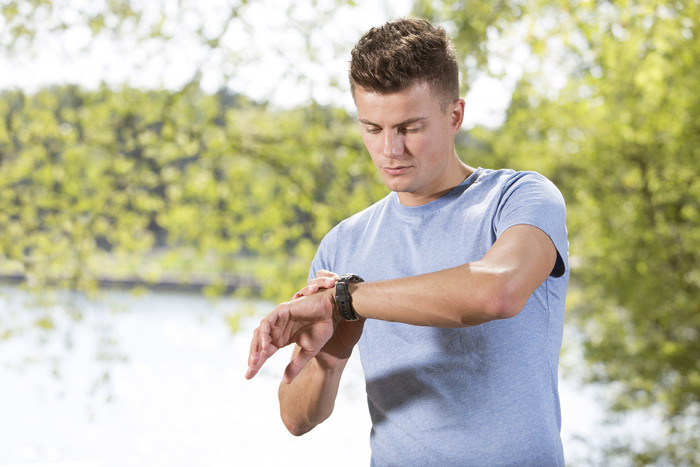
300,293
327,282
251,371
297,364
308,290
254,346
259,360
253,355
326,273
324,280
321,283
264,334
260,348
255,366
315,285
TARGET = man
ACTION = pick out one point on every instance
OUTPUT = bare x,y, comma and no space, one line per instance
459,318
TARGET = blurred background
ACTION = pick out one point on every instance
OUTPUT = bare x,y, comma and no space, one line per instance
167,169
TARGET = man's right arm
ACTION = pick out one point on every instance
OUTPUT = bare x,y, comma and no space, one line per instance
309,399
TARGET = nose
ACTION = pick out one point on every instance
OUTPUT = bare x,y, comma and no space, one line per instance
393,144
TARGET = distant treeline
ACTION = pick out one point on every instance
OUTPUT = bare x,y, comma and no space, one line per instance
88,174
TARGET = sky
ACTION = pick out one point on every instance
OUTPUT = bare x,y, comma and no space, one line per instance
267,60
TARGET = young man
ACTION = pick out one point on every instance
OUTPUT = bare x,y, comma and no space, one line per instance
457,304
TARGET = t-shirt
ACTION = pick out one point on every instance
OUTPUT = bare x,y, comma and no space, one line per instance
478,396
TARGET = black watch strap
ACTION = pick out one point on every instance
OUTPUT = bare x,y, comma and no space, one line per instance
342,296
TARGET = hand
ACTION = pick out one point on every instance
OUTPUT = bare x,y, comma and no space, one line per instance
324,280
308,321
346,333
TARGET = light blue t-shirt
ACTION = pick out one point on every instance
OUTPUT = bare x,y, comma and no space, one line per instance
479,396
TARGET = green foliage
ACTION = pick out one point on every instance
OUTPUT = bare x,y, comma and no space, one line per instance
621,138
93,175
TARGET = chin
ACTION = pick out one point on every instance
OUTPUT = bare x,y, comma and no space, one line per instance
397,185
397,188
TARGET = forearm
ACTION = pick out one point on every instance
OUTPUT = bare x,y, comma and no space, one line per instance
309,399
496,287
454,297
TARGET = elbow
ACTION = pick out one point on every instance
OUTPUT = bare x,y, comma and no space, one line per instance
298,426
297,429
496,304
299,413
495,293
504,306
505,296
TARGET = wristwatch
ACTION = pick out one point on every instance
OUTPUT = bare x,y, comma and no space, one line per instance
342,296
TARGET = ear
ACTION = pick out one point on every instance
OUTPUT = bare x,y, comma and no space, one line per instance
456,110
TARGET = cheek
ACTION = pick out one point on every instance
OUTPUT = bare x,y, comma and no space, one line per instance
434,146
419,147
373,147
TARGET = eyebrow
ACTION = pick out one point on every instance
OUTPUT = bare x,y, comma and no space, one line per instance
403,123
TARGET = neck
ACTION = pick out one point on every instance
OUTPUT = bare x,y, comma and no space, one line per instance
458,173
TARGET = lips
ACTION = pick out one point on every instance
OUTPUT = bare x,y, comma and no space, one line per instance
396,170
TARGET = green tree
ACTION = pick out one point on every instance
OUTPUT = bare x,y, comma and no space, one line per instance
608,107
90,176
99,182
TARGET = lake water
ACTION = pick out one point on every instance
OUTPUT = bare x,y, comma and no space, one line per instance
157,380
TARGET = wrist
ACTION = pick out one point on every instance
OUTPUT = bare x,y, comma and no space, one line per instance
343,298
330,362
337,317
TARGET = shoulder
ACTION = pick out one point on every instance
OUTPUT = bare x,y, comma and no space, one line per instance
507,178
507,183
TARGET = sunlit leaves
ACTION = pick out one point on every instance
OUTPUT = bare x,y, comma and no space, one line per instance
128,173
620,138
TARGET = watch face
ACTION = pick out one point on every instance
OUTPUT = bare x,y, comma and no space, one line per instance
351,278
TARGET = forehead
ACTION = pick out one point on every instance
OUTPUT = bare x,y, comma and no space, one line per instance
391,108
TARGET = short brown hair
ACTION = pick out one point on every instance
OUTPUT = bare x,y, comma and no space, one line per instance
403,53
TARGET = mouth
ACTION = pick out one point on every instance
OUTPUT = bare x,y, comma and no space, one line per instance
396,170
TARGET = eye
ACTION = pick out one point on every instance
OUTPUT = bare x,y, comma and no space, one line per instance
411,129
372,130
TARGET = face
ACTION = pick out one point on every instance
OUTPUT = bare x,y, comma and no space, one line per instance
411,141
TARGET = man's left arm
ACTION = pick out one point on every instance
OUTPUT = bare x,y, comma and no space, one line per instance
495,287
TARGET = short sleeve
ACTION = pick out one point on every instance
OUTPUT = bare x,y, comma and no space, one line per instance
530,198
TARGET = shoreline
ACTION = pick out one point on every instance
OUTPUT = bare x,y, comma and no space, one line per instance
196,285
